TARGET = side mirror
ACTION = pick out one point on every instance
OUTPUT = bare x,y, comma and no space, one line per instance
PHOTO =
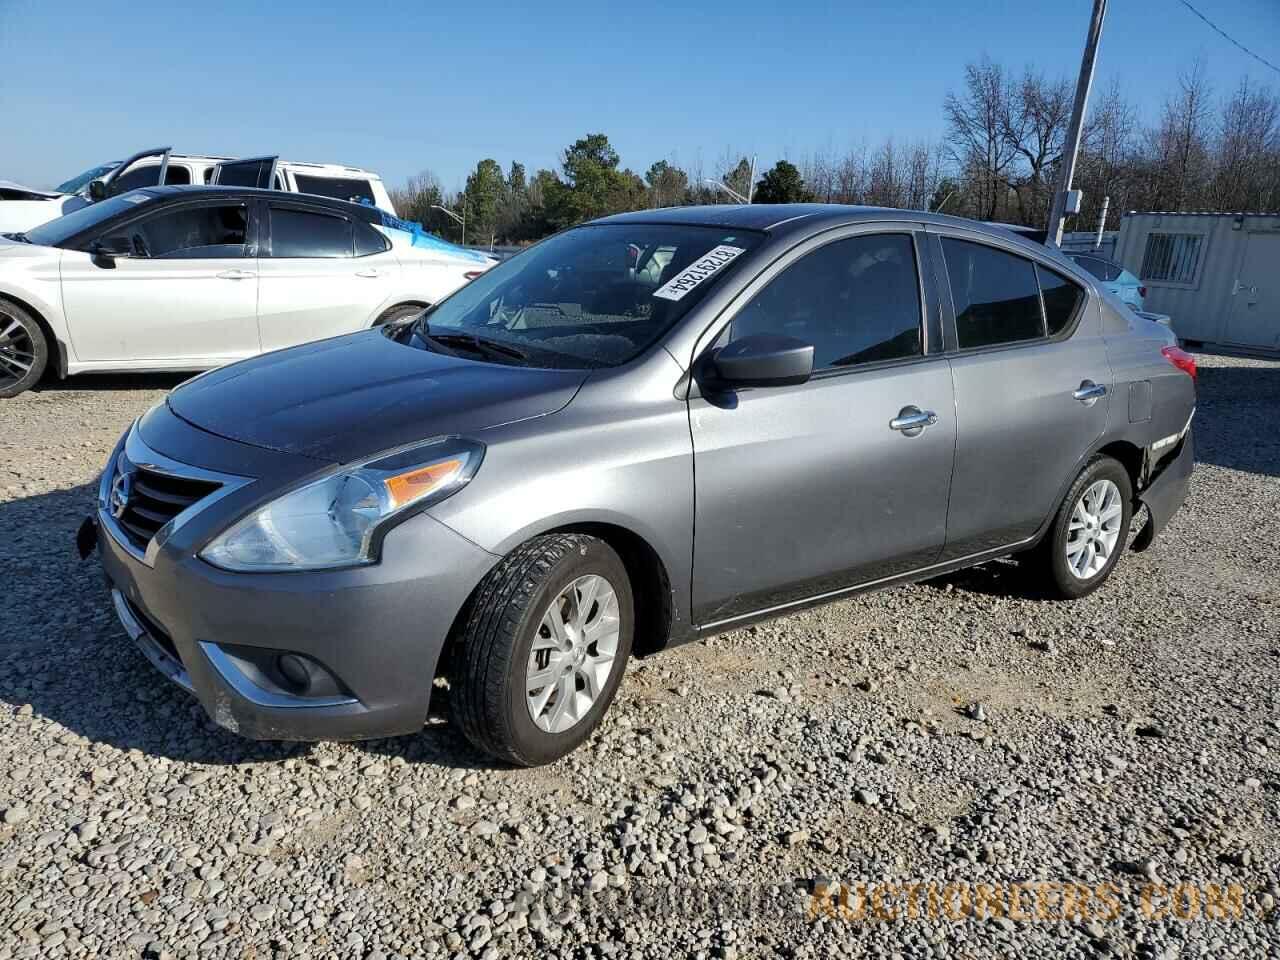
97,190
763,360
105,250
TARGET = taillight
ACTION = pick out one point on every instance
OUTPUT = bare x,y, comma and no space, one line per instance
472,274
1142,292
1181,359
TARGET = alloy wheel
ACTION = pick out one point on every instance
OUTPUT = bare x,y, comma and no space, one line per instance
573,654
1094,529
17,351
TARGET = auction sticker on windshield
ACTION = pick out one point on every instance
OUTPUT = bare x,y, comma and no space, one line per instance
700,270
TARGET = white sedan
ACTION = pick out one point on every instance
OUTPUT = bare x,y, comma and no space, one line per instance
189,278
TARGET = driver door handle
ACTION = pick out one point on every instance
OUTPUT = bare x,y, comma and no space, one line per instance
369,273
236,275
911,421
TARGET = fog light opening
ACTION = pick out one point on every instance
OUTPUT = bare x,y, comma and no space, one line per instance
294,670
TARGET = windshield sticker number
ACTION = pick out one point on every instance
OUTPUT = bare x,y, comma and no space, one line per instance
700,270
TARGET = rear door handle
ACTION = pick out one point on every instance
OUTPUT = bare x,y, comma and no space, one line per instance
369,273
911,421
1089,392
236,275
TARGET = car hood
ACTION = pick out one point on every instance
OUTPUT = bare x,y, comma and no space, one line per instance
33,193
352,397
11,250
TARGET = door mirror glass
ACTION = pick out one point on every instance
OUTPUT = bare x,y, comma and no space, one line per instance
762,360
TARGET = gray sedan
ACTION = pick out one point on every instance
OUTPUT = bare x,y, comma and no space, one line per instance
641,431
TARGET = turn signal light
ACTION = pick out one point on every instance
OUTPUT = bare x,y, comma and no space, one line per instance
405,488
472,274
1181,359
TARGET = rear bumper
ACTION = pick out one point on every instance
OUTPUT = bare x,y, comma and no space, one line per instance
1166,493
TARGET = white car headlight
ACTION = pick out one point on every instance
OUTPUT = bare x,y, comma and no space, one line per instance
339,520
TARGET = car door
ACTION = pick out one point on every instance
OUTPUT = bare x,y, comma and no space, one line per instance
807,489
313,283
1032,384
185,295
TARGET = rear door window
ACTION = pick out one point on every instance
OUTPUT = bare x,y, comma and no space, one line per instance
1062,299
307,233
996,296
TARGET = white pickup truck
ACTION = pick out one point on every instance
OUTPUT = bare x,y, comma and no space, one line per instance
22,208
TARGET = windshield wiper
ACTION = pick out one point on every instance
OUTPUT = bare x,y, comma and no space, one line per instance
484,345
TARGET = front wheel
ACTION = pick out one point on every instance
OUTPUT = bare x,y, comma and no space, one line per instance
1089,532
544,649
24,351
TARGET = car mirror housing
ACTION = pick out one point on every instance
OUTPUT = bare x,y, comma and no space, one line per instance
763,360
107,249
97,190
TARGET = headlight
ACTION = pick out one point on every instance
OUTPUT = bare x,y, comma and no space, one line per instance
339,520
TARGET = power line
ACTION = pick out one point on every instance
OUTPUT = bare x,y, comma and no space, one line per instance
1229,38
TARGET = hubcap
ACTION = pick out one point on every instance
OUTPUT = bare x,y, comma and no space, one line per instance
17,352
573,653
1094,529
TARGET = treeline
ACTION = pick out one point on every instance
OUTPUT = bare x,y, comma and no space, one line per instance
998,160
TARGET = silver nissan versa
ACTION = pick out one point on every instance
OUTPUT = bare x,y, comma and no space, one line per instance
643,430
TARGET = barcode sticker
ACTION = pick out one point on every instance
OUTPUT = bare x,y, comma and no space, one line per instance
700,270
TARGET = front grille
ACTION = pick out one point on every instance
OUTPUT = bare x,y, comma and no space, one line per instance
153,499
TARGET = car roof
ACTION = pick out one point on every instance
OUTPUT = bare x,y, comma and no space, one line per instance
360,211
807,218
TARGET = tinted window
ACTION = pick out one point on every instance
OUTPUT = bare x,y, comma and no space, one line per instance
995,294
369,240
148,176
189,233
245,173
1101,269
301,233
340,188
855,300
1061,299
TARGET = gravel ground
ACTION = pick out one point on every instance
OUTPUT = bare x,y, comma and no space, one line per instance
1107,769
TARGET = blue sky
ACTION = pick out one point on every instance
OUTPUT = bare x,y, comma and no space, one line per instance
411,86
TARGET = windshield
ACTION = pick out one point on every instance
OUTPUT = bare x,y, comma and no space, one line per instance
56,232
593,296
76,184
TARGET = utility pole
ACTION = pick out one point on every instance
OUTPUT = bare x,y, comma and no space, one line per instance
457,219
1102,223
1067,169
751,184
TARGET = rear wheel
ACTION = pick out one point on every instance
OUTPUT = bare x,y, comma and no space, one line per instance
1089,532
399,312
544,649
24,351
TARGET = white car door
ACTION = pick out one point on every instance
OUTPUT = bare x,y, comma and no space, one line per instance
182,293
313,284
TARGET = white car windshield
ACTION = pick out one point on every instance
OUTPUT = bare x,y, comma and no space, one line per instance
78,183
57,232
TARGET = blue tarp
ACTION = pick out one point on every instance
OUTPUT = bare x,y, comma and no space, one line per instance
430,241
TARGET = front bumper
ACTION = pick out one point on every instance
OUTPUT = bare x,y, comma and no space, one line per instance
379,630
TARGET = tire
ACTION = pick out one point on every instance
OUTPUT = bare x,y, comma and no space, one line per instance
495,663
399,312
24,351
1070,576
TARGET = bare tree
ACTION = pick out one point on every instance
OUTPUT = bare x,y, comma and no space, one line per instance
976,131
1247,152
1035,124
1179,145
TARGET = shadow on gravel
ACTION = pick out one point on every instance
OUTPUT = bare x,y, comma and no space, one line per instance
112,381
1002,578
1235,426
64,655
